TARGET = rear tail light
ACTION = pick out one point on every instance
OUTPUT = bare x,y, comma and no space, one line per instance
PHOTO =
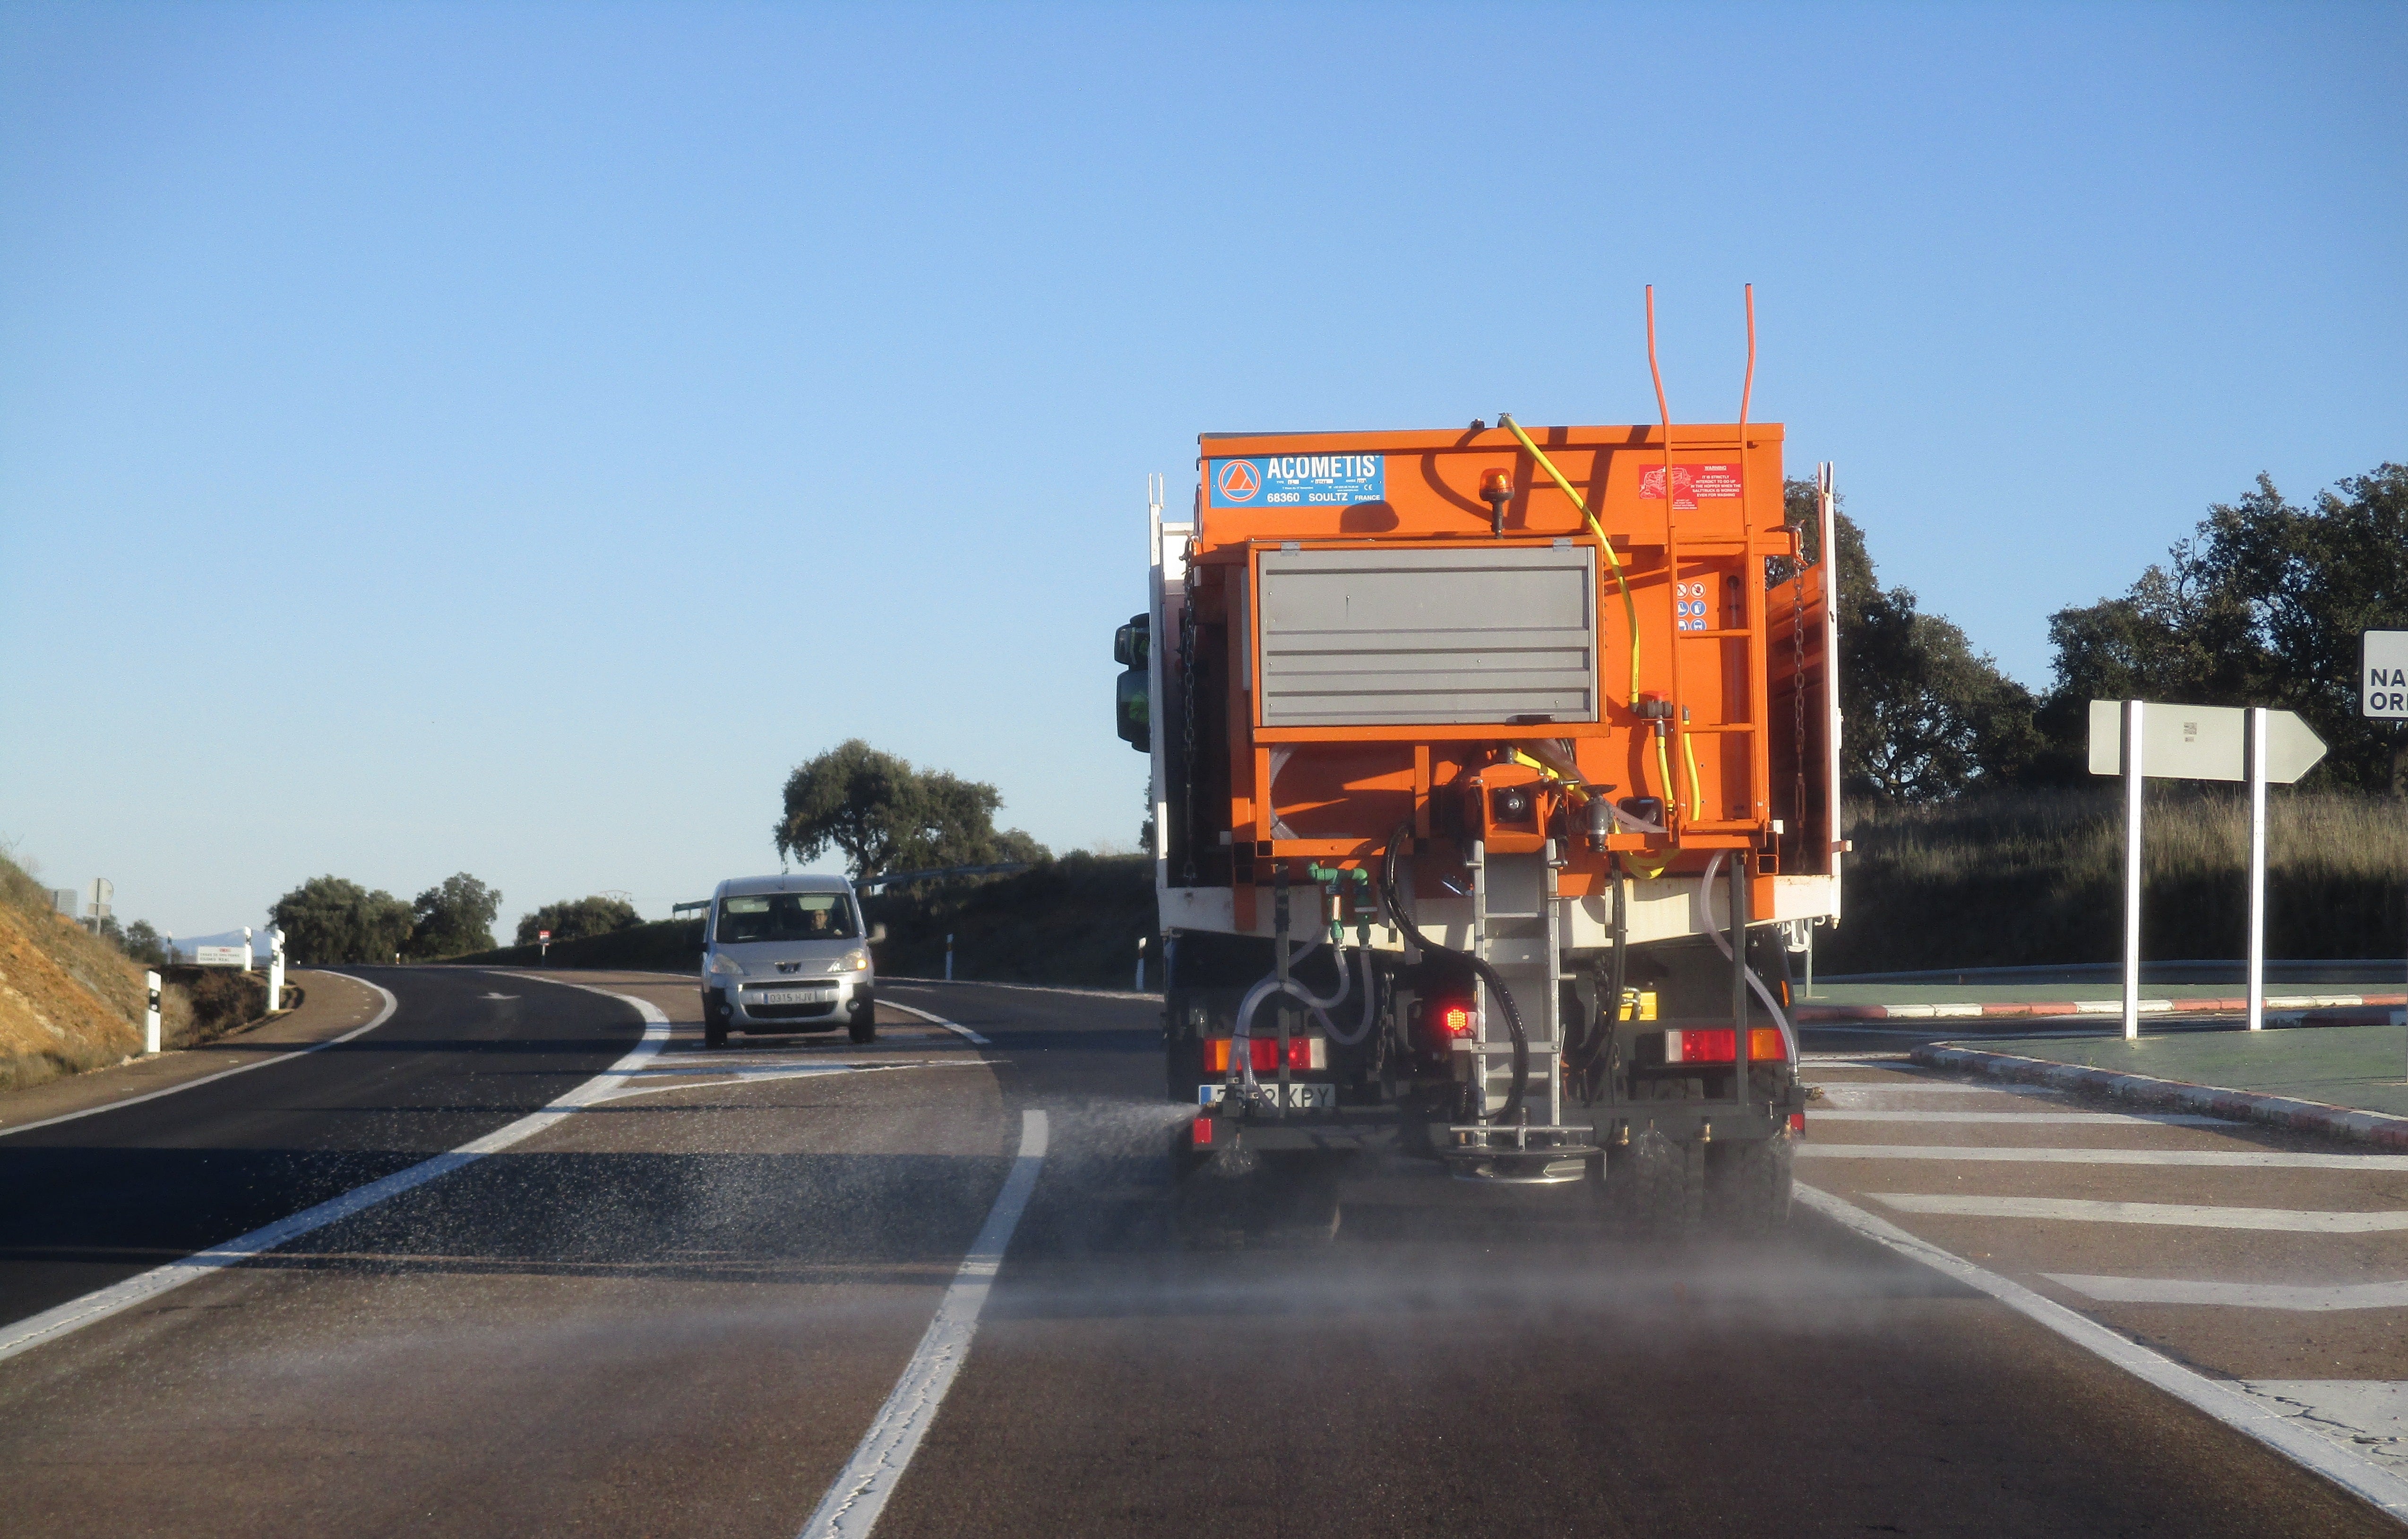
1796,1122
1303,1053
1455,1019
1200,1131
1720,1044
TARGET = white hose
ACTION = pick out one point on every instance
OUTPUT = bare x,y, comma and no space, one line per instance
1241,1035
1706,900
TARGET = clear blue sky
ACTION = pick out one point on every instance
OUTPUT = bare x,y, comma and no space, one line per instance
508,438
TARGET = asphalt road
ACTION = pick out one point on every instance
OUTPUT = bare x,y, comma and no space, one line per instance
678,1311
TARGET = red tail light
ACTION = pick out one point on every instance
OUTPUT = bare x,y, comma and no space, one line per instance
1720,1044
1455,1018
1200,1131
1303,1053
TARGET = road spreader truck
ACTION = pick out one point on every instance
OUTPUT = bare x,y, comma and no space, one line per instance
1494,773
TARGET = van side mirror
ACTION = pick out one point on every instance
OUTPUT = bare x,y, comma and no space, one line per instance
877,934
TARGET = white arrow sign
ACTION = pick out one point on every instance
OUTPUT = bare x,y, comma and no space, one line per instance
2383,675
2202,743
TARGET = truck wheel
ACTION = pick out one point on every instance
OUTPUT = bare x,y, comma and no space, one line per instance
1749,1183
1656,1188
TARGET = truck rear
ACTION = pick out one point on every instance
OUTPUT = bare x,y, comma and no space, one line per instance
1494,769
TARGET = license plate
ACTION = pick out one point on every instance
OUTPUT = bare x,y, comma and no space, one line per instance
1300,1098
790,996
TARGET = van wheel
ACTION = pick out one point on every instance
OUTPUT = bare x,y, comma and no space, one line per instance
714,1034
864,1029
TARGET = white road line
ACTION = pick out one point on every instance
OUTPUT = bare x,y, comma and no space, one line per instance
2264,1159
2182,1290
1855,1060
2187,1215
2169,1119
812,1071
851,1507
2228,1404
2368,1415
938,1020
73,1315
1858,1092
391,1004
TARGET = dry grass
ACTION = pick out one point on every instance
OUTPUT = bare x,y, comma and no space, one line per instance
70,1000
2037,877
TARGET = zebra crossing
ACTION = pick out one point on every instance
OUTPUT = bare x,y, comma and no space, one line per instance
2274,1264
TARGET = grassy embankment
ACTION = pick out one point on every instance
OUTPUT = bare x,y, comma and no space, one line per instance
2037,878
70,1000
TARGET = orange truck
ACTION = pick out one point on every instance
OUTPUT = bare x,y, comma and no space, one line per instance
1494,771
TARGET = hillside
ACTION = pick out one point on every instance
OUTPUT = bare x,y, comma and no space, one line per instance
69,1000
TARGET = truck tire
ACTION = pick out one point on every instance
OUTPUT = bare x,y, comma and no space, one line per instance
1749,1184
1655,1187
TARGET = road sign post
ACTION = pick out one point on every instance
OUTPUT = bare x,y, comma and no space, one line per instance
542,945
2383,682
2132,739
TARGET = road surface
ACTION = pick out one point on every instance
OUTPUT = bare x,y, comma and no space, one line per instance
679,1307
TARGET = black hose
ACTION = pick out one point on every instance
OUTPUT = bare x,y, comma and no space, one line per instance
1488,974
1599,1039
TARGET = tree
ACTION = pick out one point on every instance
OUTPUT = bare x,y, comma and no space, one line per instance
884,815
454,917
2262,605
573,918
144,943
1927,717
329,919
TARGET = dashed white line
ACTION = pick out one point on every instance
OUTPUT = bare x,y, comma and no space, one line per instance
2186,1216
2183,1290
851,1507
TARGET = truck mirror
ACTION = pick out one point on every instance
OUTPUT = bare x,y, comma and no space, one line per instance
1132,709
1129,642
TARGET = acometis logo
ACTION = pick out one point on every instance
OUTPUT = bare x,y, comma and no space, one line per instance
1237,481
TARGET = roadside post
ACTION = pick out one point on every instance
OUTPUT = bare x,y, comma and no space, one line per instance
274,968
949,957
150,1016
2383,681
2134,738
1140,964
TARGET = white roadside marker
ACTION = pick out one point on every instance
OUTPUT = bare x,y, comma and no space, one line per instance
2180,1290
851,1507
74,1314
2262,1159
2227,1404
2081,1210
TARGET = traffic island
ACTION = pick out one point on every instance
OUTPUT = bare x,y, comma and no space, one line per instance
2345,1082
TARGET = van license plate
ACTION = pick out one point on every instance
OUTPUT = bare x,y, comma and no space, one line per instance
790,996
1300,1098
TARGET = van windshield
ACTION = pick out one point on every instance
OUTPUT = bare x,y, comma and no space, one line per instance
785,916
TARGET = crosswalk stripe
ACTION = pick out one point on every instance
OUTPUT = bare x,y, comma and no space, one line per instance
2180,1290
2082,1209
2265,1160
2171,1119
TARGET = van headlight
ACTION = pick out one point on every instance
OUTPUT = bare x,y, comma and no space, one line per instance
856,960
725,966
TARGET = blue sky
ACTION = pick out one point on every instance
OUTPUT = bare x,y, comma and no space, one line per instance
508,438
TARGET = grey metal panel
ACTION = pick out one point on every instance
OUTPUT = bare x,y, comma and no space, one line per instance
1389,636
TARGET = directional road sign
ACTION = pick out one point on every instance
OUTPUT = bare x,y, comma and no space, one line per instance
2382,675
2202,743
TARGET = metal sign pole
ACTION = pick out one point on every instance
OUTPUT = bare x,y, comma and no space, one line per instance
2257,868
2131,869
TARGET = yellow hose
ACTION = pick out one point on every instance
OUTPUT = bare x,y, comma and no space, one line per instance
1613,562
1696,806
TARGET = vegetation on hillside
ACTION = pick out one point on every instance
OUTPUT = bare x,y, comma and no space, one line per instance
884,815
575,918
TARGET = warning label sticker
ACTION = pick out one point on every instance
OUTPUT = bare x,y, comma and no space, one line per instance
1299,481
1690,482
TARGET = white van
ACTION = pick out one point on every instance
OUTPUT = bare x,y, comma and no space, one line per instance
787,953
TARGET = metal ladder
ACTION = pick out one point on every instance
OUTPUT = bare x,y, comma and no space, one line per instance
1517,928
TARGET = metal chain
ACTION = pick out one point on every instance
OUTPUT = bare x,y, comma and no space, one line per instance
1187,690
